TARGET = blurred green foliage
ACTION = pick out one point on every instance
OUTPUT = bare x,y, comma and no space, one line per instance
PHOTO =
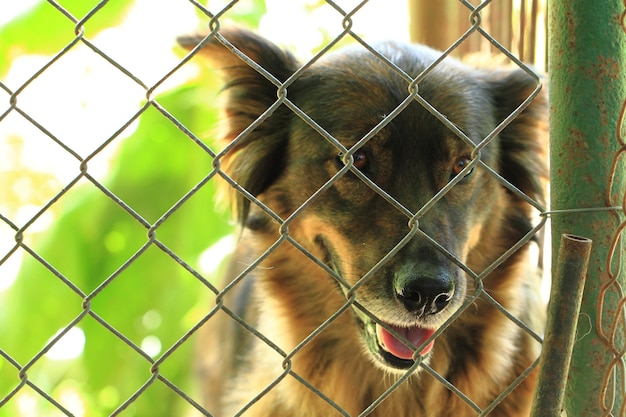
92,240
135,285
19,38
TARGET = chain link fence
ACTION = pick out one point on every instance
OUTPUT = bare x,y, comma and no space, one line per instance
611,320
31,381
612,299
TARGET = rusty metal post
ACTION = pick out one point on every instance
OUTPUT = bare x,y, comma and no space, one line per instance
587,70
565,298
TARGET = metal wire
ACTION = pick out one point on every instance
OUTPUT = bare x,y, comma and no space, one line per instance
612,322
474,14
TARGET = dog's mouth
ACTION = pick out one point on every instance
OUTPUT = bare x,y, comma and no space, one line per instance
391,344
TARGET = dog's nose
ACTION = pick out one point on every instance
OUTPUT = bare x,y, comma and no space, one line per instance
425,295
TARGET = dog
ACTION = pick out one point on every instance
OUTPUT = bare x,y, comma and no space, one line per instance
370,266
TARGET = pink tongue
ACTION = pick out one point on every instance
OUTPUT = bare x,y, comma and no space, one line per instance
415,335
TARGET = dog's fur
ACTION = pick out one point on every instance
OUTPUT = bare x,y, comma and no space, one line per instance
349,227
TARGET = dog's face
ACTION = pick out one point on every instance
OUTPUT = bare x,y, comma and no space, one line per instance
413,187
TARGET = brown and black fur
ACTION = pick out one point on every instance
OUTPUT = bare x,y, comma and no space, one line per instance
349,227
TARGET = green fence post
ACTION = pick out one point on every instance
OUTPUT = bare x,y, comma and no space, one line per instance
587,70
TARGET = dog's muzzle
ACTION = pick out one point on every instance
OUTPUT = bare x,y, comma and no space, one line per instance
410,317
421,296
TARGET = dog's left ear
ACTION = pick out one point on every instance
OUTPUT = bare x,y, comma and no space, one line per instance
524,142
254,160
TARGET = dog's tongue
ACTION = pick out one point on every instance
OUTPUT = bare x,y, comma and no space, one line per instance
416,335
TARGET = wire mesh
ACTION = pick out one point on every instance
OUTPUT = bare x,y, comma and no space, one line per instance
611,325
611,322
615,324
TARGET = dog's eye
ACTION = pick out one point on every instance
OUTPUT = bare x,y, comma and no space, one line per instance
360,160
460,164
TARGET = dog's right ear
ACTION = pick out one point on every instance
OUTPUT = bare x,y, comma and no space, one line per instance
256,158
